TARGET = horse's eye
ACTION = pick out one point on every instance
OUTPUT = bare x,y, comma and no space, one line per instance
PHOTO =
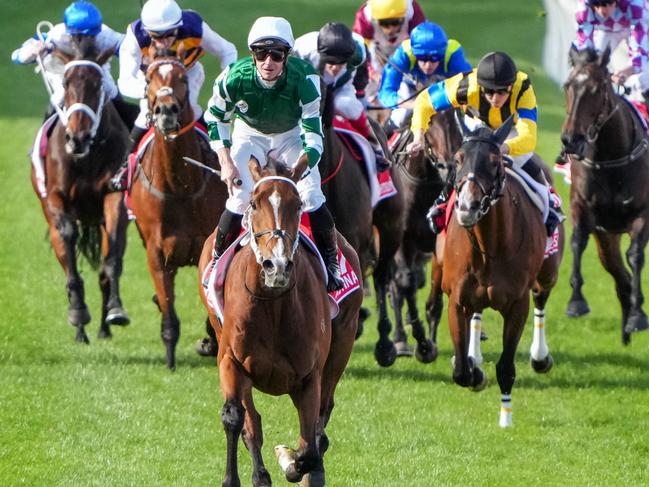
253,205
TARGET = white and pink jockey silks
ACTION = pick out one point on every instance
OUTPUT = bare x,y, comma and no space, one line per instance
630,21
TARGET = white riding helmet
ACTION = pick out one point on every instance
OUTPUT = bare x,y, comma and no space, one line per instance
271,32
161,15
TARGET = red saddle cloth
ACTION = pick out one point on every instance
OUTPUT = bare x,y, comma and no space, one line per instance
213,278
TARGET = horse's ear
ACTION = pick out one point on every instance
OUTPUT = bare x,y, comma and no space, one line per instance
605,57
503,131
300,167
65,58
459,120
573,56
105,56
255,169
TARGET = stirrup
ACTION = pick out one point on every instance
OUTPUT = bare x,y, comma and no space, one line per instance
335,282
119,182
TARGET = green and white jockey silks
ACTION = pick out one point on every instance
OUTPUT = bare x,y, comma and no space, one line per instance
280,119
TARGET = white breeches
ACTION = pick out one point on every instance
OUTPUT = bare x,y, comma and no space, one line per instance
346,104
613,39
195,80
285,147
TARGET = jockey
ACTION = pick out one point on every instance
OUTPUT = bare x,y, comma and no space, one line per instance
336,53
269,104
602,23
426,57
491,92
81,19
164,25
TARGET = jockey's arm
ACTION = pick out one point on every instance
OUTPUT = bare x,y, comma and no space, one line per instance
218,46
27,53
131,81
310,99
457,62
525,140
392,76
585,27
638,41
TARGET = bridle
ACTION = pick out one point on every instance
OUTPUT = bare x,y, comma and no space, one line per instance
497,191
164,91
93,114
275,233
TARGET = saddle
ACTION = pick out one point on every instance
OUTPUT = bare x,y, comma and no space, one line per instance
213,279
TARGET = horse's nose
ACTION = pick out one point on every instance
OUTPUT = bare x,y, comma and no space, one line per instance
573,143
268,266
169,110
474,206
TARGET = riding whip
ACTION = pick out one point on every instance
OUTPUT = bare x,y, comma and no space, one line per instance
236,181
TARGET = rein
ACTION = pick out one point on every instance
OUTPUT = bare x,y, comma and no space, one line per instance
432,160
335,171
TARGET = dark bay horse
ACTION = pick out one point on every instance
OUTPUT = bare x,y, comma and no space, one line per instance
346,188
422,178
277,335
607,145
177,205
85,148
491,257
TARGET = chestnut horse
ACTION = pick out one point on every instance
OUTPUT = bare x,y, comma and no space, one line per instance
422,178
607,145
176,205
85,148
277,335
492,256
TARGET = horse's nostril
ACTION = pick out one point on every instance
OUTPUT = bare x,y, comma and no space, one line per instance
67,136
157,110
268,265
289,266
175,109
475,206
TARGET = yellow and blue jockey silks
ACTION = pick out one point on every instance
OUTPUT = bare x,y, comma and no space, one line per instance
462,90
190,34
403,64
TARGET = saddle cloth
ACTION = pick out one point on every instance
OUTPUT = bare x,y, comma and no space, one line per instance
213,278
381,185
39,152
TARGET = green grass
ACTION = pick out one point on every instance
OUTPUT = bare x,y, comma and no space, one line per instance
110,414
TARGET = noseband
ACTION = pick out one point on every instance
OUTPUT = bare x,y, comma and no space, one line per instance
278,233
94,115
169,91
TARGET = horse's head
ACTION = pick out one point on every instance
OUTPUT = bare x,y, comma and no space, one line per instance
443,139
84,96
480,171
274,218
589,99
168,91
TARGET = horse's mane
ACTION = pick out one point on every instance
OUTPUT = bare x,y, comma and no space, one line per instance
327,106
85,47
276,168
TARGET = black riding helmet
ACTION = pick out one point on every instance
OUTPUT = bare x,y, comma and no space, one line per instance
496,71
335,43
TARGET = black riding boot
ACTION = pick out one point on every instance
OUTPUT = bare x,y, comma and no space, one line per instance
324,233
227,231
436,215
119,182
128,112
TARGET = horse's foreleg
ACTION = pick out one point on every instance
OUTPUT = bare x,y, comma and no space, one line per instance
434,303
64,234
577,306
113,247
540,357
465,372
398,289
475,329
637,319
608,249
163,280
253,438
505,368
307,457
233,382
385,352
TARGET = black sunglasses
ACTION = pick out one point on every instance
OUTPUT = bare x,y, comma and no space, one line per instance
500,91
163,35
433,58
276,55
390,22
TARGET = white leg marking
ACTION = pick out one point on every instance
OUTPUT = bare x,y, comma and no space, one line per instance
539,349
474,339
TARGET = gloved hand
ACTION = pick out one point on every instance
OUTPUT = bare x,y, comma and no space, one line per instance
436,217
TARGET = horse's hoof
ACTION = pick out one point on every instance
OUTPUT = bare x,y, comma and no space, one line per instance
577,308
636,322
626,338
479,380
483,336
385,353
261,478
542,366
403,349
313,479
79,317
426,352
206,348
81,336
117,316
104,334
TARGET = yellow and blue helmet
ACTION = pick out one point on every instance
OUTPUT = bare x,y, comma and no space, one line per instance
428,40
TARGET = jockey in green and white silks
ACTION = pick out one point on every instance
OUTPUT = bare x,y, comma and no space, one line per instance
269,105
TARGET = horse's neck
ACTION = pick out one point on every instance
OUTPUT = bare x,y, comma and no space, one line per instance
499,232
169,169
619,134
331,153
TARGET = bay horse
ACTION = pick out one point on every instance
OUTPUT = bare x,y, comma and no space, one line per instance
86,146
346,188
177,205
492,256
422,178
277,335
607,145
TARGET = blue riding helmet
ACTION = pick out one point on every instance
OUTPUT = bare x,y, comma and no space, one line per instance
82,18
428,40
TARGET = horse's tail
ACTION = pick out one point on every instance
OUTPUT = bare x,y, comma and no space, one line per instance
89,244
